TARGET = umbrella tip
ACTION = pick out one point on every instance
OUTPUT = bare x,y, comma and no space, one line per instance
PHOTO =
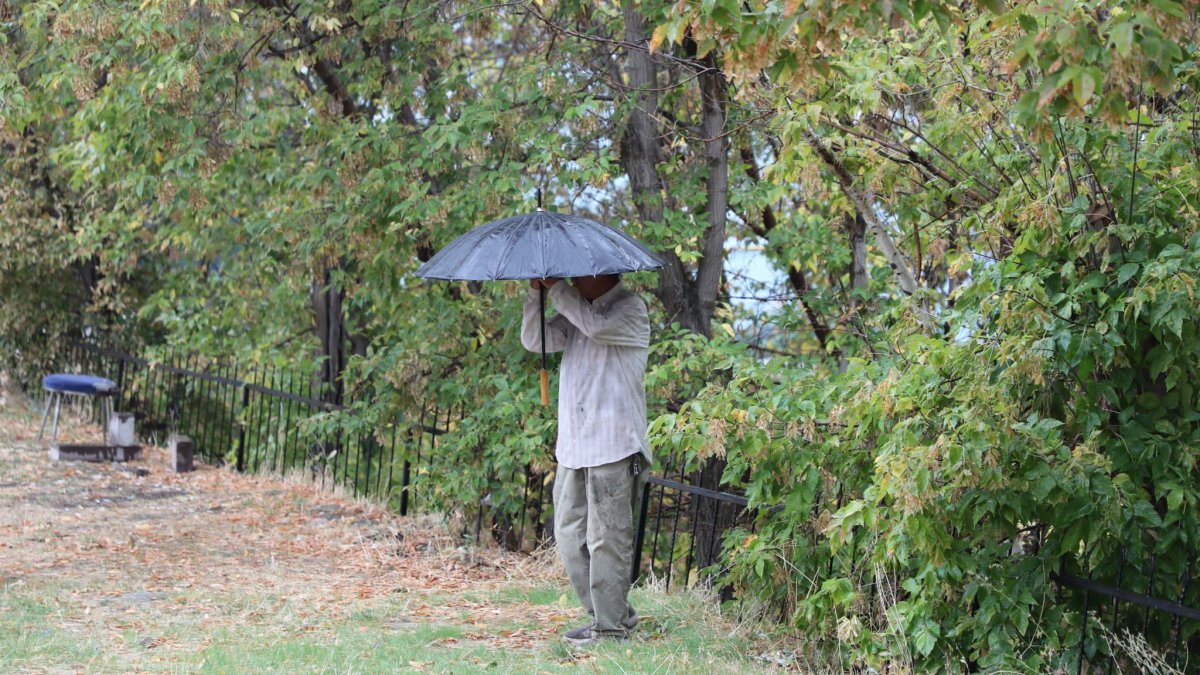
539,199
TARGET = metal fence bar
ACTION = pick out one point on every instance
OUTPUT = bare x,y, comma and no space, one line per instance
697,490
240,461
206,405
252,414
1147,601
1187,578
230,406
287,430
391,465
640,534
262,422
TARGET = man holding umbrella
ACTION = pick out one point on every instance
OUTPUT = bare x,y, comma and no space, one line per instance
604,333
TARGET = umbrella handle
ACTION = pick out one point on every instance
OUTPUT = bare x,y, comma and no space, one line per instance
545,375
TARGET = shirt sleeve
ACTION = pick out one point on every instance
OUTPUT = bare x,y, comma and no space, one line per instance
624,324
531,328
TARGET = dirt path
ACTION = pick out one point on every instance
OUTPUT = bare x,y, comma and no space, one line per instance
135,543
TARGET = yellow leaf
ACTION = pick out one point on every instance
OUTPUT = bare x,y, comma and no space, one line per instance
728,329
660,35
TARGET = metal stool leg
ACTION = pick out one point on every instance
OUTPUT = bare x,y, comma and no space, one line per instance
57,410
45,415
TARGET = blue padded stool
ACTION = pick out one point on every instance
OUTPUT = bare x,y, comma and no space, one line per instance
61,384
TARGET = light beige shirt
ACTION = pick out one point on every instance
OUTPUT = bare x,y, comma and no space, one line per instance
601,390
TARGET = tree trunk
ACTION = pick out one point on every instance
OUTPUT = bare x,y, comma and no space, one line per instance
327,295
640,155
856,231
856,228
716,155
689,301
713,519
330,326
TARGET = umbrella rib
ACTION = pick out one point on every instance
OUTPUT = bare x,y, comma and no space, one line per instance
576,233
629,261
467,266
511,243
541,248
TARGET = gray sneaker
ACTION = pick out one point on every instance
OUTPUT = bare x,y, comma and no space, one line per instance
585,636
629,622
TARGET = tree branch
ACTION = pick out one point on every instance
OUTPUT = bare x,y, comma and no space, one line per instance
864,202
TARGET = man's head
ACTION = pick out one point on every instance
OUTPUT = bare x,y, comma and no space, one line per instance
593,287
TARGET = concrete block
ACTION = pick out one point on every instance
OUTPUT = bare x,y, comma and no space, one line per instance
182,449
120,429
79,452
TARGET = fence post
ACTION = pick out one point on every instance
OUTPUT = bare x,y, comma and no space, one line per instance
241,449
120,380
404,487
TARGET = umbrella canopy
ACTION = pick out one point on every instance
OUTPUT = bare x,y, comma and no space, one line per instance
539,245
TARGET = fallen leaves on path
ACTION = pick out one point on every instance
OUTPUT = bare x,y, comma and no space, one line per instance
137,542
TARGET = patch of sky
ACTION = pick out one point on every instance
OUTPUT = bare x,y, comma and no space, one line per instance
756,288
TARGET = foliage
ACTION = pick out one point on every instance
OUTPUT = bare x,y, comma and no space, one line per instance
914,506
979,365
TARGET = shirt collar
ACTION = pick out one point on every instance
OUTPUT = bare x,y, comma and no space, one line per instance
609,296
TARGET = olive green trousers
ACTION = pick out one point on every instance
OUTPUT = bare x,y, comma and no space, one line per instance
594,511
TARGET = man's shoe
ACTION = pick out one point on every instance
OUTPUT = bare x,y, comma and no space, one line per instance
631,621
588,635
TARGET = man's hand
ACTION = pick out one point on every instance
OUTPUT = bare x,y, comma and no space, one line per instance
543,283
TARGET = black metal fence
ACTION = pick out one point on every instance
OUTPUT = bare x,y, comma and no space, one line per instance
1134,596
266,419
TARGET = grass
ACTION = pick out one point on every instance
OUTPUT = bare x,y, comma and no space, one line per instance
101,573
46,628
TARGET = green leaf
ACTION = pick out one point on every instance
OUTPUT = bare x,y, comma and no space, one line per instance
1122,38
1174,499
1084,86
925,637
1160,358
1170,7
1126,272
912,586
1043,486
840,590
1172,251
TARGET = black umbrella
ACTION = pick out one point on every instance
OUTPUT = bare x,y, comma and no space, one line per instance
539,245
